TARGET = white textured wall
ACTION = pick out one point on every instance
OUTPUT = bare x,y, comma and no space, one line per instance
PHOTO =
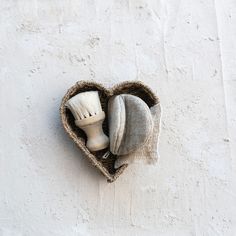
185,50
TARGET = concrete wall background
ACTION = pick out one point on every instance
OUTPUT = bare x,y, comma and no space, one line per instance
185,50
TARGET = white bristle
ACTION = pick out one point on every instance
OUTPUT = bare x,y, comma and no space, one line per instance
84,105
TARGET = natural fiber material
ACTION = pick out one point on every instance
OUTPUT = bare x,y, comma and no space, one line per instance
106,166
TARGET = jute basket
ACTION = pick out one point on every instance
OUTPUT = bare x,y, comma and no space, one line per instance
106,166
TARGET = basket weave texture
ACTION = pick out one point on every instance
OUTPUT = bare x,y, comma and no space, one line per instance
106,166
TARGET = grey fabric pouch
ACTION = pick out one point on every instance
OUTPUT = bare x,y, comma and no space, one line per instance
148,153
130,123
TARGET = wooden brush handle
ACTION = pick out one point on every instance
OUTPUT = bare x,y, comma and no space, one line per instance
92,126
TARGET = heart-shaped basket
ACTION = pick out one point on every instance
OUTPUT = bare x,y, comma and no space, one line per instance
106,166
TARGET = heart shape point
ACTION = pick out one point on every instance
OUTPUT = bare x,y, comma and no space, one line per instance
106,166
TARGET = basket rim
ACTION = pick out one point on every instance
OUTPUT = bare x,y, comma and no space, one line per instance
109,92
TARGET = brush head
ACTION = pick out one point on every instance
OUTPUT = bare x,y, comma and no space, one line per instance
85,105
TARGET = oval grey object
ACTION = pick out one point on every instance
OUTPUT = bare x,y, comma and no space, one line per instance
130,123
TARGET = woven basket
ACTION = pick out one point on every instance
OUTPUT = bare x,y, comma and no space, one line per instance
106,166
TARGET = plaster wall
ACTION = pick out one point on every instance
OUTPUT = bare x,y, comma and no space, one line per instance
185,50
